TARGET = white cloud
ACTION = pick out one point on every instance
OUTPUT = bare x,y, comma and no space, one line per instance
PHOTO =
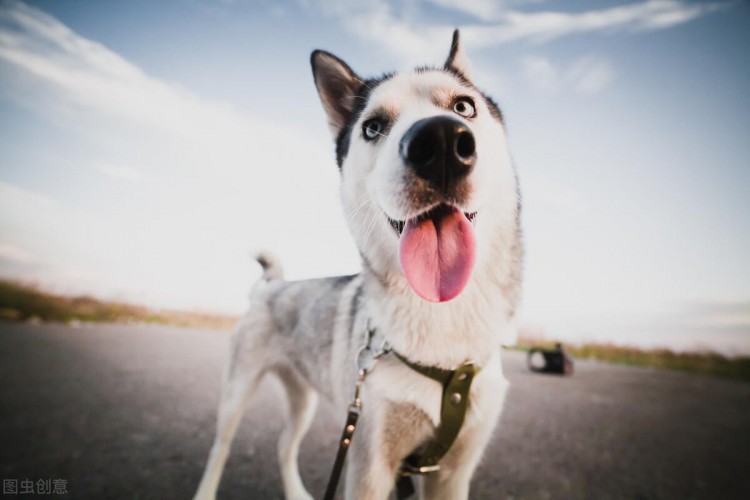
16,254
585,75
541,72
93,83
486,10
590,74
401,38
546,26
672,16
413,40
220,183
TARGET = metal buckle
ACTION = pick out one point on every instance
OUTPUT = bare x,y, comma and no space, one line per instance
409,470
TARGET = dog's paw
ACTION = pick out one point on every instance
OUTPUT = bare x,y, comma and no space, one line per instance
204,496
301,495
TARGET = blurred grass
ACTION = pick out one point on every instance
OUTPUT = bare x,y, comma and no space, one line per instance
709,363
23,302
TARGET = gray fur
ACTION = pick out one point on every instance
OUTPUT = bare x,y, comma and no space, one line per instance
271,266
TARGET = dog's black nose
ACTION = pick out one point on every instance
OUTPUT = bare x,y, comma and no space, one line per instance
440,149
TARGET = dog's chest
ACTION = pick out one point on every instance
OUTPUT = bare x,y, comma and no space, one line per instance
394,382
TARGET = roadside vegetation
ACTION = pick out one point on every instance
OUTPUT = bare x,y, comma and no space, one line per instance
22,302
28,303
698,362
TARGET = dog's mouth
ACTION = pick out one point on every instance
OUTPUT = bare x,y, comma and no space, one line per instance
398,225
437,250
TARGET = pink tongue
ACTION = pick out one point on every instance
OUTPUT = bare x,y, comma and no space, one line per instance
437,254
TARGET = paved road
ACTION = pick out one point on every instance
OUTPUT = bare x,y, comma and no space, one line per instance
128,412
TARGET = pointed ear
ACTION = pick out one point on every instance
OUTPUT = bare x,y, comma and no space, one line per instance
337,87
457,60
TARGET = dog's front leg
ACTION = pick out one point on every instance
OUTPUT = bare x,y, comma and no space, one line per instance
369,475
387,433
457,469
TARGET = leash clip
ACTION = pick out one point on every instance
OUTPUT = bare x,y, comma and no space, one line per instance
367,357
356,404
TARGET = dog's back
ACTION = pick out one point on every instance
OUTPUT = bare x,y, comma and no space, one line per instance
295,324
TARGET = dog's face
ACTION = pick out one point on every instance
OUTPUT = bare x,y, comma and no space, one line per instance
427,183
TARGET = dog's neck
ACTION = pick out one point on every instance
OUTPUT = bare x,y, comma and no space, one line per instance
470,327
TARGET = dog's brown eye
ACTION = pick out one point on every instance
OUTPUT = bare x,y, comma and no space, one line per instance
464,107
372,128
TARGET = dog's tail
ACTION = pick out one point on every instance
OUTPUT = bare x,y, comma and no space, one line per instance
272,269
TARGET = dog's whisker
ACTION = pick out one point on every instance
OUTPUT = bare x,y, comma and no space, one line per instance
362,205
371,226
353,213
367,231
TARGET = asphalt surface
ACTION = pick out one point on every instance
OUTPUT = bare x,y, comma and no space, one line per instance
128,412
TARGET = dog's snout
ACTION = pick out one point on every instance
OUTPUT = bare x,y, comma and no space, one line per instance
440,149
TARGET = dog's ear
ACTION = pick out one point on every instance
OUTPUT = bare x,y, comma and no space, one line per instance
457,60
337,86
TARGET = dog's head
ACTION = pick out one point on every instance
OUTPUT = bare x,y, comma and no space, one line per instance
427,183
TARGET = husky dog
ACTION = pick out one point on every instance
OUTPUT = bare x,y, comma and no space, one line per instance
431,199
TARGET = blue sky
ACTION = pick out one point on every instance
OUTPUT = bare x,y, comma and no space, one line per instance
148,148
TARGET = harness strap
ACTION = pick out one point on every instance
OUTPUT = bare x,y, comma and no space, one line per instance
453,406
454,403
439,375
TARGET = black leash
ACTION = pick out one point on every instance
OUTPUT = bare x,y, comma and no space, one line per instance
344,442
366,360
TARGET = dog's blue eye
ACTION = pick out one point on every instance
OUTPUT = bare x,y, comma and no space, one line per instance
372,128
464,107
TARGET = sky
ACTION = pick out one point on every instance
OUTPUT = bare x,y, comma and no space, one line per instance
149,149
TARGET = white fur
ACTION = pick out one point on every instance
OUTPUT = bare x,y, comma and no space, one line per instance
468,328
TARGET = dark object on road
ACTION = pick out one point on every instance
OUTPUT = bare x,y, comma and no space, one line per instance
550,360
